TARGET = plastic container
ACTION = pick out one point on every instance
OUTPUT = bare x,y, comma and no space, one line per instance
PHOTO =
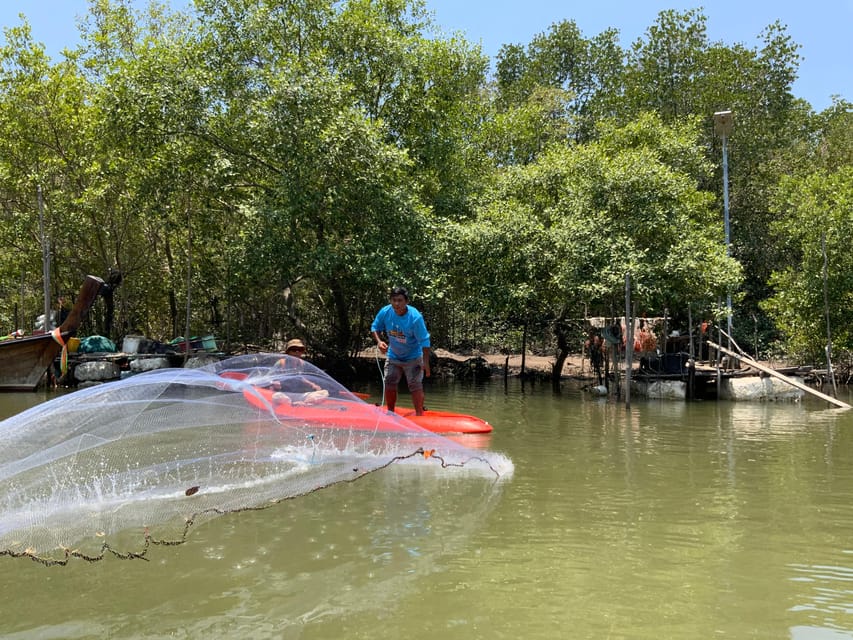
131,344
206,343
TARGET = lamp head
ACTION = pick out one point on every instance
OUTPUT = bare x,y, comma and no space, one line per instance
723,123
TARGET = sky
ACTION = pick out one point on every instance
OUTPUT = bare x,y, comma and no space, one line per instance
821,27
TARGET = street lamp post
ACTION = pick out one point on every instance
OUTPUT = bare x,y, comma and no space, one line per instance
723,127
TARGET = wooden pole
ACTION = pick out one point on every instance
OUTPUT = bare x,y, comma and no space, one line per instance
794,383
719,374
629,341
691,379
690,328
45,261
189,285
22,320
826,311
691,362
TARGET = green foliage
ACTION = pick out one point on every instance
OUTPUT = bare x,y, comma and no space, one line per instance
273,167
677,71
665,70
815,215
587,72
520,133
45,124
425,91
562,232
834,149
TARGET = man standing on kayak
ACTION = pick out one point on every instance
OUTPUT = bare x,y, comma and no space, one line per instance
407,349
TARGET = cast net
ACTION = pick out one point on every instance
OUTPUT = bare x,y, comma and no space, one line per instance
114,469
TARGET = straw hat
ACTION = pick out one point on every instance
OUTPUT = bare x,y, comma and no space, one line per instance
296,343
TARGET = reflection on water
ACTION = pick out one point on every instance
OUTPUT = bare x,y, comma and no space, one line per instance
669,520
13,403
827,592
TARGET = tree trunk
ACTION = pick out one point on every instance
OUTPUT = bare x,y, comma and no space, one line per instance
173,300
561,333
114,279
342,338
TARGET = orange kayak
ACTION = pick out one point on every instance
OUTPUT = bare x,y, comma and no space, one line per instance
445,421
349,414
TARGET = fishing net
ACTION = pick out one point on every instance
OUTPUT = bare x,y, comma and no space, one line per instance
114,469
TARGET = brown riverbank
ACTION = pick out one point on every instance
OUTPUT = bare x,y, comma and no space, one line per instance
447,364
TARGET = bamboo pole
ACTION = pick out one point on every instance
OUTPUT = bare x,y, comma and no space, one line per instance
794,383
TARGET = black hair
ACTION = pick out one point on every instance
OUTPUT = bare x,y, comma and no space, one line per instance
399,291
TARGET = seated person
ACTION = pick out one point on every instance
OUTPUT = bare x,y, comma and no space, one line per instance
294,388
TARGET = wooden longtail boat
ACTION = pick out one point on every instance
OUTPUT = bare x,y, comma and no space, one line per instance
23,361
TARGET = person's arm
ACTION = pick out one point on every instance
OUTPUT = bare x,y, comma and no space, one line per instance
383,346
422,334
312,385
376,328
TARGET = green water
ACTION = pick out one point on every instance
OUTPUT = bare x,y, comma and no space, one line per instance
671,520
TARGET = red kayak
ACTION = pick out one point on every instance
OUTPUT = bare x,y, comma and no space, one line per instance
351,414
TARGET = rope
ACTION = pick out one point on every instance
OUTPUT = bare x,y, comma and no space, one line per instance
381,376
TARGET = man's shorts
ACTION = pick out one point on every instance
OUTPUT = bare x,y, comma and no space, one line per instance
414,370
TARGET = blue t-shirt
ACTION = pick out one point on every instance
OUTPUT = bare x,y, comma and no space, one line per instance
407,334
